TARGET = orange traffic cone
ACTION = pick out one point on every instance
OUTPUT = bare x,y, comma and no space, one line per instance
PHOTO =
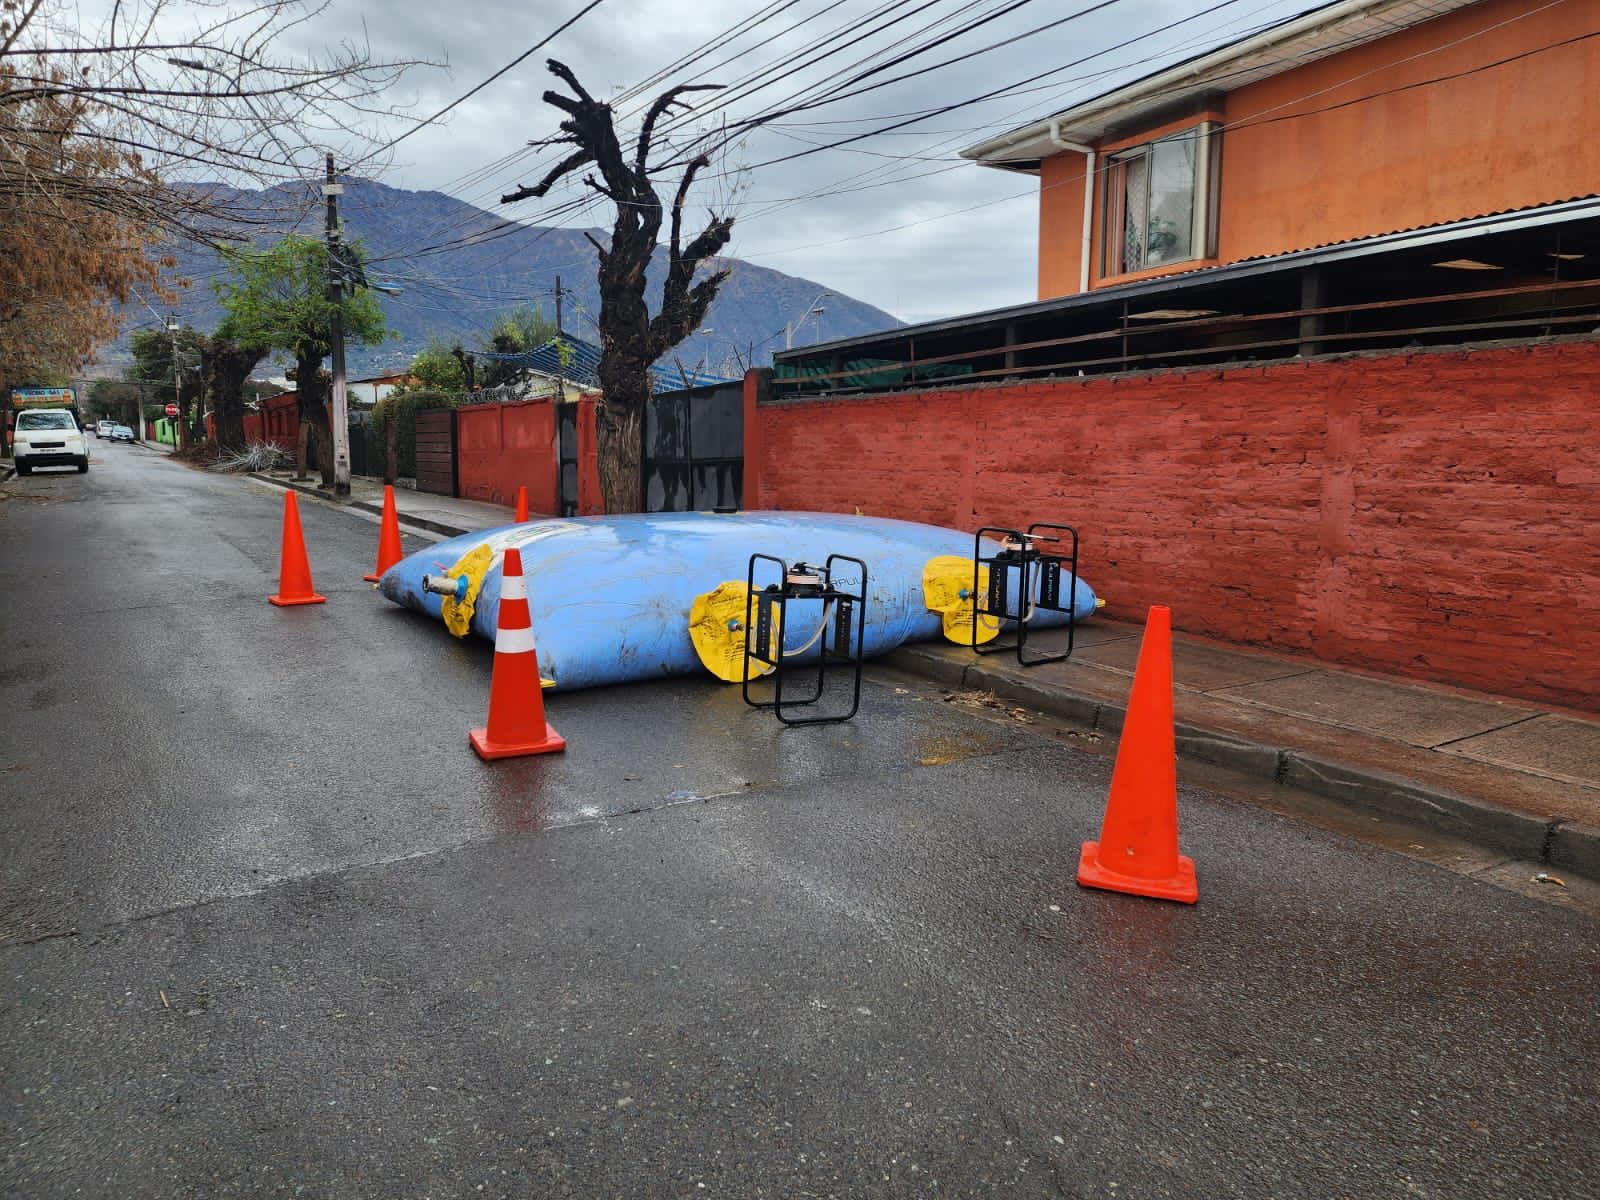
1138,847
522,504
389,551
294,568
516,705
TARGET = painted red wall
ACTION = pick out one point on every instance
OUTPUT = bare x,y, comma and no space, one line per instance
252,427
591,500
501,447
281,413
1430,514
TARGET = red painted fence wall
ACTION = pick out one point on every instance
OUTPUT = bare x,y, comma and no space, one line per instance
1435,514
501,447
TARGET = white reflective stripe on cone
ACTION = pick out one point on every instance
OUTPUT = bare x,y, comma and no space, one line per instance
513,587
513,641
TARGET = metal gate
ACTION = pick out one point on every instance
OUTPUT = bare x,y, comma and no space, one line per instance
567,458
694,449
360,432
436,451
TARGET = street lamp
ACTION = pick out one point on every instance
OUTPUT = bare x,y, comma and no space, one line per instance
815,309
705,354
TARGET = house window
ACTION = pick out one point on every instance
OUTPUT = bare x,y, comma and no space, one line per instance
1158,202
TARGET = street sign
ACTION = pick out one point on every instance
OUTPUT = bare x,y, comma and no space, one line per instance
172,410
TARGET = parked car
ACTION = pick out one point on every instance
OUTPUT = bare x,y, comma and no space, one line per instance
121,433
104,428
48,437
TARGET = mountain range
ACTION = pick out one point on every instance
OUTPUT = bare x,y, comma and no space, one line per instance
457,266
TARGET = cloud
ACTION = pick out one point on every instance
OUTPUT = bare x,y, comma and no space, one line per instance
897,220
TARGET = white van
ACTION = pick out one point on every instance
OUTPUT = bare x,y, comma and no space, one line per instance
48,437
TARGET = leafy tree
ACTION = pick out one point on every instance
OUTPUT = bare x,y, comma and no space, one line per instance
630,338
278,297
152,366
436,368
65,263
400,408
117,400
515,331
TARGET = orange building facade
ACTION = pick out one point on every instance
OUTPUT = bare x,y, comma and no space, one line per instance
1354,120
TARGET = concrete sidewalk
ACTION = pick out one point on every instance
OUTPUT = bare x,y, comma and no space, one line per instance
1505,774
444,515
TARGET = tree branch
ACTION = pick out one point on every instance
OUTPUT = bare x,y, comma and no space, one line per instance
663,102
570,163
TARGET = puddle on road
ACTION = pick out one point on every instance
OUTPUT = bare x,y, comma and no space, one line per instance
943,749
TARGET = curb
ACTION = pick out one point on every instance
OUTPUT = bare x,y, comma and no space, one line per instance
1569,844
375,509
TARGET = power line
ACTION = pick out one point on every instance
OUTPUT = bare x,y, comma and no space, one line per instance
474,90
1252,122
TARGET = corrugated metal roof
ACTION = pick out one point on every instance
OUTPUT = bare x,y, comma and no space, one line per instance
1468,226
1320,33
578,361
1578,209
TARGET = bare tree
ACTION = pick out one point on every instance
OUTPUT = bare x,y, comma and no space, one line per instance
630,338
189,88
105,131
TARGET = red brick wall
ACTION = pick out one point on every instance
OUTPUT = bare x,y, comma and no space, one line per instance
1431,514
501,447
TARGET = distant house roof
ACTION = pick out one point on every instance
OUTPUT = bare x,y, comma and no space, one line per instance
582,366
1320,33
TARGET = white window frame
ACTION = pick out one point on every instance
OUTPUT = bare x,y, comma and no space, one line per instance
1202,233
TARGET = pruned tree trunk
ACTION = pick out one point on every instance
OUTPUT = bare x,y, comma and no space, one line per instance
322,433
228,366
630,338
300,444
619,443
311,397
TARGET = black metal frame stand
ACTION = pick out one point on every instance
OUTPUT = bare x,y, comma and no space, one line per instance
1038,571
842,636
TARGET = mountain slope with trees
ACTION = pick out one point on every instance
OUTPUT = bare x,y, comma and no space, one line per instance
492,264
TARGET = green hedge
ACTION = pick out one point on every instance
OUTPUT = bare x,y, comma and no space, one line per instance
402,408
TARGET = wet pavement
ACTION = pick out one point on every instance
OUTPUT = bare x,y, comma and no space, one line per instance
270,928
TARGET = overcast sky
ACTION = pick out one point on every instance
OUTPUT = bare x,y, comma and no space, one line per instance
921,233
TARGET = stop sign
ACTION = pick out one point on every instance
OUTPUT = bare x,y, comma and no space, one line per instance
172,410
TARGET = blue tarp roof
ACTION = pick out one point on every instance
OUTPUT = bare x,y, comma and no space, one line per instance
583,363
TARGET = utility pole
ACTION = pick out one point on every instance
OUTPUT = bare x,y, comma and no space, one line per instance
341,416
180,438
561,383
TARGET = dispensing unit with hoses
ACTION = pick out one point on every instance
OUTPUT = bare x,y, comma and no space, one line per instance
1024,578
795,594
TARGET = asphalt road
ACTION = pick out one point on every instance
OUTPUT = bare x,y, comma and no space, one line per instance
268,927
